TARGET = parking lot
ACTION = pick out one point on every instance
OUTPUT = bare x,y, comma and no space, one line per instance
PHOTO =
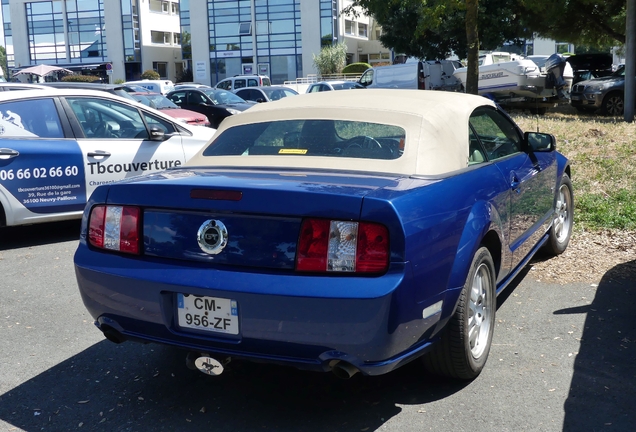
563,358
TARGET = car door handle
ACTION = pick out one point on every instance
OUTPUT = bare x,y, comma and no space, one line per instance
98,153
9,153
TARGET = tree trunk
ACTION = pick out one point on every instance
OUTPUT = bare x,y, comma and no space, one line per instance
472,38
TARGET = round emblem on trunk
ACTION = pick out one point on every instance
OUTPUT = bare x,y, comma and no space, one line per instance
212,236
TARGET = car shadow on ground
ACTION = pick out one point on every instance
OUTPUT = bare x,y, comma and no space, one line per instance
38,234
603,391
148,387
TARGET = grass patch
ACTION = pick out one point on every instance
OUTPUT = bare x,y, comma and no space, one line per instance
602,151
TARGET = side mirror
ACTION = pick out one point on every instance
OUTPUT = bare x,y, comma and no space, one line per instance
157,134
539,142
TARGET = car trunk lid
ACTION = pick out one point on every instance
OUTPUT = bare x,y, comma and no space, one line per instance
261,210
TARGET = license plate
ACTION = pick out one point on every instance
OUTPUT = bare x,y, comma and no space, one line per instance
575,97
211,314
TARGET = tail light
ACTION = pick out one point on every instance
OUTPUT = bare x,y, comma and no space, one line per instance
115,228
342,246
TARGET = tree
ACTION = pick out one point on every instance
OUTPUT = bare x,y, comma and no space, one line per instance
435,29
584,22
3,62
332,59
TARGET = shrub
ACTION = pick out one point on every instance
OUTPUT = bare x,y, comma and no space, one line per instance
119,81
150,75
80,78
356,68
331,60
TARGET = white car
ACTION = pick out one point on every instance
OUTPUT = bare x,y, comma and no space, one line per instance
57,146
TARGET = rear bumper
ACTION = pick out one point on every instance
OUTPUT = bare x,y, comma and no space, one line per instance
301,321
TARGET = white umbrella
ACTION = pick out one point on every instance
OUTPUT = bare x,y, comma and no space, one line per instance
42,70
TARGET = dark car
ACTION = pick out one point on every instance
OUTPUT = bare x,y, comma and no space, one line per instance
606,93
216,104
589,66
116,89
265,93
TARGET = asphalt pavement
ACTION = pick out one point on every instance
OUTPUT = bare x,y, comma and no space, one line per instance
563,358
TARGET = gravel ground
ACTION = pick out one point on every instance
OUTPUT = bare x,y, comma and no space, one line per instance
588,257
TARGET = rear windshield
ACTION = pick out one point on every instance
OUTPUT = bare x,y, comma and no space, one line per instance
303,138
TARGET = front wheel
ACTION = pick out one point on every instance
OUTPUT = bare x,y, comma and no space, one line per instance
465,343
561,230
613,104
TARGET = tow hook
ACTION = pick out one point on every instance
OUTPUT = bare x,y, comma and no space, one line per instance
206,364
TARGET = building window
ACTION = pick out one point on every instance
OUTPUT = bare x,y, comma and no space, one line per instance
245,28
159,6
262,27
176,39
349,27
378,33
175,8
362,30
158,37
161,68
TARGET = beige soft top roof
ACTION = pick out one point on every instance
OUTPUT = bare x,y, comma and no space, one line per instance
436,125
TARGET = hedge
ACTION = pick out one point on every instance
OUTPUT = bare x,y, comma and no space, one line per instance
356,68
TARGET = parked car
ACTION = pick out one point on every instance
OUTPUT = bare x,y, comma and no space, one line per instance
11,86
162,103
323,86
182,85
331,233
588,66
58,145
265,94
157,86
215,104
116,89
239,81
605,93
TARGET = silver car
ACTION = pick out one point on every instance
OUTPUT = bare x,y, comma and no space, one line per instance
605,93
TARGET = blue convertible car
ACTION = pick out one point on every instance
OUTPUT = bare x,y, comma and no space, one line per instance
333,232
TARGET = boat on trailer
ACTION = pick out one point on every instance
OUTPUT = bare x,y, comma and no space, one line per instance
535,83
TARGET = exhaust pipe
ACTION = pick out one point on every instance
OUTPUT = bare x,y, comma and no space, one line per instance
205,363
344,370
112,335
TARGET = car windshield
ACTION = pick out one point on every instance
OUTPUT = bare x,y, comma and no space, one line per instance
347,85
306,138
223,96
156,101
275,93
620,72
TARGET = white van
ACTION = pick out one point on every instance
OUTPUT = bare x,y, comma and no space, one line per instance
156,86
240,81
416,75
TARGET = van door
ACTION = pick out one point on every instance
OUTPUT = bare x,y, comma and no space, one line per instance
367,78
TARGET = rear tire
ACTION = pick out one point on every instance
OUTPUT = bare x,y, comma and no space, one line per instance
465,343
561,229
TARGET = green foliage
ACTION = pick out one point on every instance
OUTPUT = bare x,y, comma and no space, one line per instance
3,62
119,81
617,210
356,68
583,22
436,28
80,78
331,60
150,75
